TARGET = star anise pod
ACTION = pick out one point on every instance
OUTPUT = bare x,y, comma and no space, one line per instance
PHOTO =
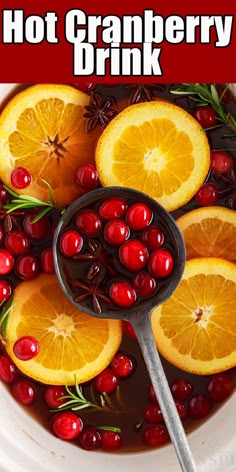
143,92
99,257
93,290
99,111
9,220
227,187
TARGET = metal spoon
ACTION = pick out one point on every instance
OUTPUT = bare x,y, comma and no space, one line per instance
138,315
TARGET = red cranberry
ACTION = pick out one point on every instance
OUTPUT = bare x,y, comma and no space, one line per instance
6,262
3,194
153,237
116,232
208,194
20,178
152,414
220,386
144,284
181,389
71,243
152,395
86,88
26,347
199,406
122,365
181,408
89,223
111,441
106,381
47,262
38,230
206,116
128,330
1,234
113,208
138,216
155,435
89,439
17,242
53,394
8,370
27,267
24,391
221,162
161,263
133,255
5,290
86,176
67,425
122,294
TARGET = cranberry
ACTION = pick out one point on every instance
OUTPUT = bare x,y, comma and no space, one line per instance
144,284
181,408
155,435
5,290
26,347
122,365
181,389
199,406
47,262
152,414
220,386
206,116
3,194
116,232
161,263
153,237
27,267
106,381
133,255
111,441
113,208
152,395
87,87
138,216
128,330
38,230
86,176
24,391
20,178
221,162
208,194
89,439
89,223
8,370
53,394
67,425
6,262
122,294
17,242
1,234
71,243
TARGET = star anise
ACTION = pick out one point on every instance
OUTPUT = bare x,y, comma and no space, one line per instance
99,111
143,92
93,290
9,220
227,187
99,257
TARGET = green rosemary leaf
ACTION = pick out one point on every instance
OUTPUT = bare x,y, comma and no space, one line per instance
215,95
50,191
30,199
109,428
40,215
5,315
80,407
92,394
224,91
9,190
230,135
102,401
212,127
12,207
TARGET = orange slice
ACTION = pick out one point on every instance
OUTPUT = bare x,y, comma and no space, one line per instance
71,342
42,129
196,328
209,231
155,147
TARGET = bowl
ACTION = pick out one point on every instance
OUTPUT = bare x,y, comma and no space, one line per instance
26,445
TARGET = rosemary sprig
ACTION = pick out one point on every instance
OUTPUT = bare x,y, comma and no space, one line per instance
27,202
4,315
109,428
206,94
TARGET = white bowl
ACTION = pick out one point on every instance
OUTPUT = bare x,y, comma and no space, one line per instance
25,445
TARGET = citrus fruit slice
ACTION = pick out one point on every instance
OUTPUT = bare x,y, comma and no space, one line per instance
71,342
155,147
209,231
43,130
196,328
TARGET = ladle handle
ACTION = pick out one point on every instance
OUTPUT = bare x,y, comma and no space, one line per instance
152,359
